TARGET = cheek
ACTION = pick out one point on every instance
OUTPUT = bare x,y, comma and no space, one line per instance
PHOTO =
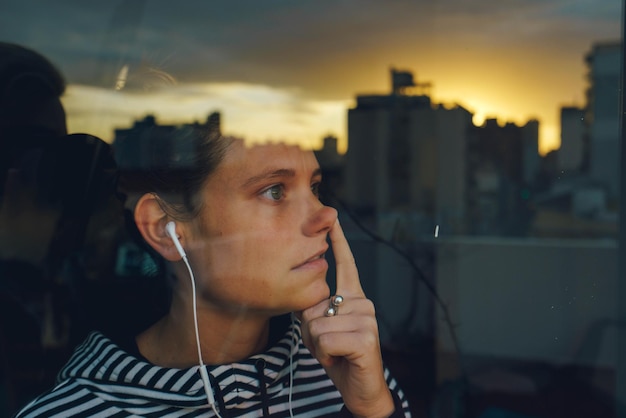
246,258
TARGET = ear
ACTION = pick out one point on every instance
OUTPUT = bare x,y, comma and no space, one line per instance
151,220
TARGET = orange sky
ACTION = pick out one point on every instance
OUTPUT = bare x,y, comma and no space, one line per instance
513,89
291,72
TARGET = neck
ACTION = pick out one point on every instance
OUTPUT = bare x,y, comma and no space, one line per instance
225,336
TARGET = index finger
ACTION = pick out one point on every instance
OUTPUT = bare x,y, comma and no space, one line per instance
348,283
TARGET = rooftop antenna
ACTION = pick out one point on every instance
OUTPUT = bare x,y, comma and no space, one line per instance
401,80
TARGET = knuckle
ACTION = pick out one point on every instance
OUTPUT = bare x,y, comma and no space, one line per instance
369,341
365,307
307,316
324,342
372,324
370,308
315,328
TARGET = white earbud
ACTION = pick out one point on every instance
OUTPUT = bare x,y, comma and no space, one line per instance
170,228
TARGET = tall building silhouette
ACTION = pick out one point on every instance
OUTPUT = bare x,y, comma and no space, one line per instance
603,62
572,153
404,152
503,162
582,177
150,145
409,155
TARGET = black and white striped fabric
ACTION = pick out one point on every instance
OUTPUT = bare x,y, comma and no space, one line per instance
102,380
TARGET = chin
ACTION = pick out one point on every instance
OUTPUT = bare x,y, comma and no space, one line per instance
315,295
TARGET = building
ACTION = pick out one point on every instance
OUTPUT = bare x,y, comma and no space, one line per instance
149,145
503,162
331,162
604,63
531,160
406,153
582,184
572,153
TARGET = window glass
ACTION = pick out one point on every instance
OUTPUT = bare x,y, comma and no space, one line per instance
472,150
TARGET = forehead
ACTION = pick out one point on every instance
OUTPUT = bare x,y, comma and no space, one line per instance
243,160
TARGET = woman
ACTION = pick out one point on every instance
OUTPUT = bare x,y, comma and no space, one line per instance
245,235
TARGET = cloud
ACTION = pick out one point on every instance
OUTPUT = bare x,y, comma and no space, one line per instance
325,50
284,43
255,112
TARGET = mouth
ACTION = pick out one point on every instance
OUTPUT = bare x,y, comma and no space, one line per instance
318,258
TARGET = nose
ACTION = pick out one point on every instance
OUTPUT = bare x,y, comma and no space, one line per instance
321,219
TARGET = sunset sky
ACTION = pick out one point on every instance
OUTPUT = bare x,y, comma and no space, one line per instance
291,69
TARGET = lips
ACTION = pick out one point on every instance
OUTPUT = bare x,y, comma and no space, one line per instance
312,260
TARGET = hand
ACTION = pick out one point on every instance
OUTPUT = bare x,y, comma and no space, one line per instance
347,345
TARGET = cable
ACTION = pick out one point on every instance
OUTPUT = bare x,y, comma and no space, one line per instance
203,371
420,275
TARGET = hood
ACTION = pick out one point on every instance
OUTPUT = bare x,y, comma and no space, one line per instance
112,373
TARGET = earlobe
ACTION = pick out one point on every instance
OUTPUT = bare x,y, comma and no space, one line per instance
151,221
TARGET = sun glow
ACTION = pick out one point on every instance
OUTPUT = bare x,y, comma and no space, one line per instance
255,112
261,113
484,107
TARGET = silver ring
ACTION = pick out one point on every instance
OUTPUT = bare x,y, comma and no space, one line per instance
333,306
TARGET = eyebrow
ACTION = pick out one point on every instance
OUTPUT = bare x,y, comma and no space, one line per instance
274,174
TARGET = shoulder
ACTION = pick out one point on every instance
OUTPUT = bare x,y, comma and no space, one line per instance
76,393
67,399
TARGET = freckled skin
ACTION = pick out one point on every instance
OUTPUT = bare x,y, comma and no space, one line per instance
255,232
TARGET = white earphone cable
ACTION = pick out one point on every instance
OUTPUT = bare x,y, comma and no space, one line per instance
203,371
170,227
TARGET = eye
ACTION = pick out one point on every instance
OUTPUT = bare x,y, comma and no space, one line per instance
315,188
275,192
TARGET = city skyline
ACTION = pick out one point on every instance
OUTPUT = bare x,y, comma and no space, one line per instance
292,70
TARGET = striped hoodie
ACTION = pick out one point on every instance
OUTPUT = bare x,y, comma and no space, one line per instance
103,380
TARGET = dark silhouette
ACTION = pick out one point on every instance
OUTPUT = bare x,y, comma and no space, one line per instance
60,225
31,116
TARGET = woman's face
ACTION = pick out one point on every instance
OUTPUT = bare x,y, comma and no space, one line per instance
263,231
